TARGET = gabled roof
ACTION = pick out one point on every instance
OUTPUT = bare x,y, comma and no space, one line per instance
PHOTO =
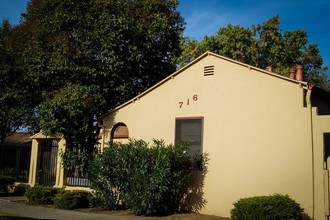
208,53
18,138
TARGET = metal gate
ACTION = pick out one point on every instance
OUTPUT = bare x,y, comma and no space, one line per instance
326,172
48,163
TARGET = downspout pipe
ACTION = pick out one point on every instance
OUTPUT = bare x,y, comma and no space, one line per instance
308,101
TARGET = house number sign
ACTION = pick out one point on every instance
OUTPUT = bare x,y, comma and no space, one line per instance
187,102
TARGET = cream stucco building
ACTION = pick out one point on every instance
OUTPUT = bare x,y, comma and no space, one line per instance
264,133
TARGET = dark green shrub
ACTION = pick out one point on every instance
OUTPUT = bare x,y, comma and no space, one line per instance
8,171
159,180
108,177
275,207
71,200
6,183
151,180
42,194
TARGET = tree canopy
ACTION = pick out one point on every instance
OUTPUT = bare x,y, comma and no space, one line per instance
81,58
16,102
263,45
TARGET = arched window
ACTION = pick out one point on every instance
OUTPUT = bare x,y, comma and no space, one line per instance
119,131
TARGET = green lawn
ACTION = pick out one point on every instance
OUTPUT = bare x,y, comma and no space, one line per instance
5,215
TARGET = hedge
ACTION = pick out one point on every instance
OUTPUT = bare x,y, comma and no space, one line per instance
274,207
71,200
6,182
42,194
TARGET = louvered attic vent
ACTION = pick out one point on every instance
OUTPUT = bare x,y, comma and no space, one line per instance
208,70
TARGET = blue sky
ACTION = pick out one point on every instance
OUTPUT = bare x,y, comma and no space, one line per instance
205,17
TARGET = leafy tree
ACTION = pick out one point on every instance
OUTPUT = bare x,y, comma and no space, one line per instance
84,57
263,45
16,103
6,122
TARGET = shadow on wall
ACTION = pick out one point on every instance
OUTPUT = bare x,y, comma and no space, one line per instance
305,217
194,199
108,120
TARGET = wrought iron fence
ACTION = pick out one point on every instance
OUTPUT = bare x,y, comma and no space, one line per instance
15,162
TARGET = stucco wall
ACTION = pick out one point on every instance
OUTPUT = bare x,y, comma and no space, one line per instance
257,132
321,125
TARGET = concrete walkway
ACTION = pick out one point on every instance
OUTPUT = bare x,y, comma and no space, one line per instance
10,205
7,204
